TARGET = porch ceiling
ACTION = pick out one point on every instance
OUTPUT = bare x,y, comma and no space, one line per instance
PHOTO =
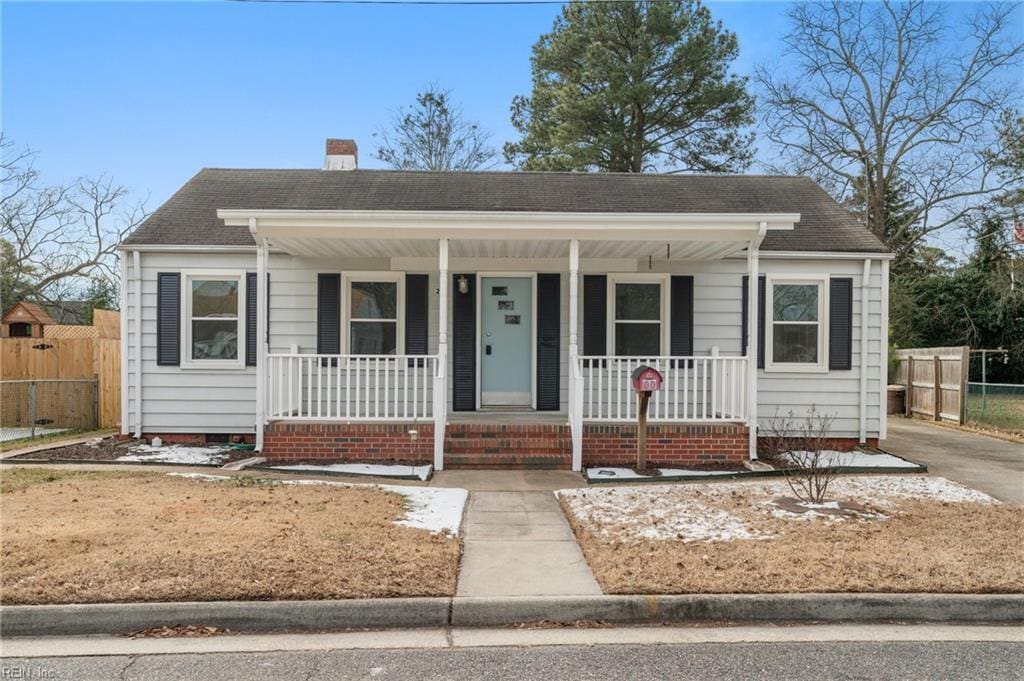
379,234
506,248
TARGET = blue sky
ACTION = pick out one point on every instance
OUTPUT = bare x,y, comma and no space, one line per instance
151,92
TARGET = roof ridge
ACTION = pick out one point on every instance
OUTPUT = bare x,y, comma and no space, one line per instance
567,173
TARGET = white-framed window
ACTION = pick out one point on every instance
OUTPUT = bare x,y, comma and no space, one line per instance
214,319
637,315
797,332
374,313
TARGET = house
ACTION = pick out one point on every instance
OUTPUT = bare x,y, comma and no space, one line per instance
24,320
494,318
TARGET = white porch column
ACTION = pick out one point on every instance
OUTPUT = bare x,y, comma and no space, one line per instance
752,339
261,337
575,395
440,382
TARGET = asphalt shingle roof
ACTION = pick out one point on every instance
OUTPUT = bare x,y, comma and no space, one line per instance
190,216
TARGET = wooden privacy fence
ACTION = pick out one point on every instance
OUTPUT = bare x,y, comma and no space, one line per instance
935,380
68,358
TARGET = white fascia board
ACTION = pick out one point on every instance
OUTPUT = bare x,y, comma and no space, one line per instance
820,255
186,248
483,224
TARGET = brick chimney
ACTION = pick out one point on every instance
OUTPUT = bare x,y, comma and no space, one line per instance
341,155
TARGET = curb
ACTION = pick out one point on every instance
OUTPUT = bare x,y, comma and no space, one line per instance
409,613
125,618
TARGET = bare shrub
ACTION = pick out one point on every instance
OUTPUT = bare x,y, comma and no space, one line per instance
799,446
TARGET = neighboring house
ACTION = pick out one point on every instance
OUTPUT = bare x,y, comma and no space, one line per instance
24,320
495,317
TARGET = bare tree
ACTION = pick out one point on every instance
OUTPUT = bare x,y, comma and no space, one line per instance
799,445
432,134
59,238
888,93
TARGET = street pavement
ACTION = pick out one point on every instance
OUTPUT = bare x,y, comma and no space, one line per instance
792,661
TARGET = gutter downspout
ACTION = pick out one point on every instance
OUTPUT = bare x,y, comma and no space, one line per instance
864,304
137,271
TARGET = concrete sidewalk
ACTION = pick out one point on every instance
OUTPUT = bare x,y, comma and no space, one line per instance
518,543
985,463
516,539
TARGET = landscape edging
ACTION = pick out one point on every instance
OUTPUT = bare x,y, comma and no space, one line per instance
408,613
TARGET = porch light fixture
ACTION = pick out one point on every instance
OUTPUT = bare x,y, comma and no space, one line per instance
463,285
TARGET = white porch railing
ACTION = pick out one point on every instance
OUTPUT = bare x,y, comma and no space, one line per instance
309,387
695,389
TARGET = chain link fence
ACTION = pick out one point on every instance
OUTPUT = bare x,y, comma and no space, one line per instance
996,405
35,408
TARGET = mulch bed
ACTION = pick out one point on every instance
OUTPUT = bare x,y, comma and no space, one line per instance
107,449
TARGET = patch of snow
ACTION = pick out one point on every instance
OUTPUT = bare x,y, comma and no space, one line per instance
642,515
201,476
883,488
378,470
614,473
177,454
855,458
435,509
694,512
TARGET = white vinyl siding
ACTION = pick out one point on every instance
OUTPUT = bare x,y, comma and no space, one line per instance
212,401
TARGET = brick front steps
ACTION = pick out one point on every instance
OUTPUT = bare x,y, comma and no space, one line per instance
505,445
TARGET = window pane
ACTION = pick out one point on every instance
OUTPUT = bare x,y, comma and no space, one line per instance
214,297
795,343
373,338
796,302
638,339
374,300
214,339
638,301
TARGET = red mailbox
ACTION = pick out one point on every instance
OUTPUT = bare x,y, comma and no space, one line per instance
646,379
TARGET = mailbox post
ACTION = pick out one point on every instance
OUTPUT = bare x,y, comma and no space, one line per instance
645,381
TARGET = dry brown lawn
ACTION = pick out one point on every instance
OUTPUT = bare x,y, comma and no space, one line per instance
74,537
922,546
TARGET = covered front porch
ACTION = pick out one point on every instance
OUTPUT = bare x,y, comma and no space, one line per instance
506,367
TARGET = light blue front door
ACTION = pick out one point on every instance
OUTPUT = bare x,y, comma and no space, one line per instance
506,341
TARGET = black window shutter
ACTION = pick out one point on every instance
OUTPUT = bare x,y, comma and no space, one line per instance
416,312
464,344
761,284
840,323
250,319
328,314
549,289
168,319
681,307
595,314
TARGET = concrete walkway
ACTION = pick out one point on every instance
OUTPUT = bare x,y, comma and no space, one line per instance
985,463
517,541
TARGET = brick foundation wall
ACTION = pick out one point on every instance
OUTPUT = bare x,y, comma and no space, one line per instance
667,445
363,442
197,439
842,444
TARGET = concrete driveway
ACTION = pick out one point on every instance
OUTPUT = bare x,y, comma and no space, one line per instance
985,463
